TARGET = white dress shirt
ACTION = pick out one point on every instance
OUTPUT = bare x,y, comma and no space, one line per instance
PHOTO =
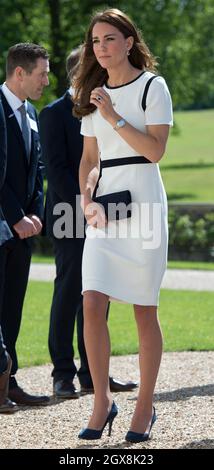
15,103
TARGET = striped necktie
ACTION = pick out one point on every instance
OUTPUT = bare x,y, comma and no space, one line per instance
25,129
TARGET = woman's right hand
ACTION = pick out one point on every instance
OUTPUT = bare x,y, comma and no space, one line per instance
94,213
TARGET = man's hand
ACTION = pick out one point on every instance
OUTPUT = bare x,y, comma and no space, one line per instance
37,222
25,228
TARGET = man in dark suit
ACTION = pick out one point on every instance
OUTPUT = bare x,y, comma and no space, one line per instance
62,149
22,193
5,232
6,405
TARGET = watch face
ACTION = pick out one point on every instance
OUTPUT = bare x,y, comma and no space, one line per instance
121,123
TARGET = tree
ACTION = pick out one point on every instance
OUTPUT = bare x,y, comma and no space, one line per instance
179,32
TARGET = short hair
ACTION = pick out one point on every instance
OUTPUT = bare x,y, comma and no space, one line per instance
24,55
72,62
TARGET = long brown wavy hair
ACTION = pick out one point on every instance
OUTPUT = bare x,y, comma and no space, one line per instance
90,74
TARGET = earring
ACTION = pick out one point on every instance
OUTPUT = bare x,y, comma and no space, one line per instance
128,52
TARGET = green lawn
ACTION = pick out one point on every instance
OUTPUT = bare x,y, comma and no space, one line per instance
191,265
42,259
171,264
186,318
188,166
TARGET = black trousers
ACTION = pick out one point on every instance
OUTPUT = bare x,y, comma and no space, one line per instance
66,307
15,256
3,356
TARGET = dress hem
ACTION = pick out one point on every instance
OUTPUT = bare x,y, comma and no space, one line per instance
113,296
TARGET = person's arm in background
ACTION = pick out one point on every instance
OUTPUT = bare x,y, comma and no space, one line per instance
54,154
3,146
5,233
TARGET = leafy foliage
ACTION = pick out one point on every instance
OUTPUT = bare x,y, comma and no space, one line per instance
179,32
191,237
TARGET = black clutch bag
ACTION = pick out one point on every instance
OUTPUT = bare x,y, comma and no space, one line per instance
115,204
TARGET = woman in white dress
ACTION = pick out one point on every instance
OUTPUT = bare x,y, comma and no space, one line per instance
126,113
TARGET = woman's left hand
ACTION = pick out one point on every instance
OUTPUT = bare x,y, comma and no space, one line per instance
102,101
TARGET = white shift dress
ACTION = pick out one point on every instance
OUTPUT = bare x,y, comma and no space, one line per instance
127,259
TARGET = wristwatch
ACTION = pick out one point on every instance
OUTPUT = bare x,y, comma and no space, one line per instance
119,124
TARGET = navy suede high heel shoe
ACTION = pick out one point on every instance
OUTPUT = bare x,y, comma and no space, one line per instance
132,436
91,434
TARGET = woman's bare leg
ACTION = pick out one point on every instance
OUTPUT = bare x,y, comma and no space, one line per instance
150,351
97,343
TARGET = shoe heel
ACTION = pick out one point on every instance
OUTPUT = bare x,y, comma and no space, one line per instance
90,434
113,414
110,427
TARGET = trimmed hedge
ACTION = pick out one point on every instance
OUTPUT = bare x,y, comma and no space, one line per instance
191,237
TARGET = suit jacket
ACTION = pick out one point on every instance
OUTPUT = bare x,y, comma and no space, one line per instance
62,146
3,149
5,233
22,192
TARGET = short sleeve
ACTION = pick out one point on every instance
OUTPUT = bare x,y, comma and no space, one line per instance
158,104
87,127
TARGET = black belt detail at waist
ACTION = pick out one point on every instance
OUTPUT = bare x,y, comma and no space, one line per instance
123,161
118,162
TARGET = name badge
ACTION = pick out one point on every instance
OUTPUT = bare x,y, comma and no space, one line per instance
33,125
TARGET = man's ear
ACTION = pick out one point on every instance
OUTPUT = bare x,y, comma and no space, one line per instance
19,72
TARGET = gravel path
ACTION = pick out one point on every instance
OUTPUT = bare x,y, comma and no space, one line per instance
183,400
174,278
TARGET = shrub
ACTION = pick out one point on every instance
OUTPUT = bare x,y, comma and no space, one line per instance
190,237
